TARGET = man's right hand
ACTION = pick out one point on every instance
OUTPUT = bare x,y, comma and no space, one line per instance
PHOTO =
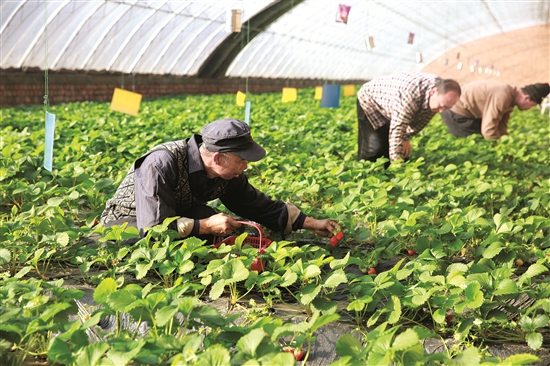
406,149
220,224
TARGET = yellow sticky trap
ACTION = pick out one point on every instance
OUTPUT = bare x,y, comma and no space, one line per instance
349,90
318,93
241,97
126,102
289,95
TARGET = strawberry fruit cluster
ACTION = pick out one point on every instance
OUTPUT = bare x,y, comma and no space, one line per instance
335,239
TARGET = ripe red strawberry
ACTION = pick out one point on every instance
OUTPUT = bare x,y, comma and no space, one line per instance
333,241
372,271
339,235
257,265
411,252
298,354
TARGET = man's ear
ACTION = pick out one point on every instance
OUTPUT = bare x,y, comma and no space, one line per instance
525,97
217,157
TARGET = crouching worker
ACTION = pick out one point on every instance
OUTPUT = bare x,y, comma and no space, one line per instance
178,179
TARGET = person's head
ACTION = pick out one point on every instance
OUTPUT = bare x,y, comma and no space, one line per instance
227,148
444,95
531,95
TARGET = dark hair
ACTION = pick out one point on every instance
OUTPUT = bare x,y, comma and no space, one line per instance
446,85
536,92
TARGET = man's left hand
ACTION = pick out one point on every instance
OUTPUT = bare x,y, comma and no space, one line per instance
323,227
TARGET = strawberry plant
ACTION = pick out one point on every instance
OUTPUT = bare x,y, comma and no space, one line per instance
470,209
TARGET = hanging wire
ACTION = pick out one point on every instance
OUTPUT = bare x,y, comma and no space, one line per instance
247,41
446,59
46,85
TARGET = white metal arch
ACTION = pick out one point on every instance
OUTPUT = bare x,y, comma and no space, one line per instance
151,38
130,36
12,15
270,51
187,45
252,55
75,33
218,32
101,38
39,35
175,34
168,37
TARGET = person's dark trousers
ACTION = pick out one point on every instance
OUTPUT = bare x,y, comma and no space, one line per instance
197,213
372,144
459,125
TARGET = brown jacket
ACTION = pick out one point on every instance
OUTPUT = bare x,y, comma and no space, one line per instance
492,102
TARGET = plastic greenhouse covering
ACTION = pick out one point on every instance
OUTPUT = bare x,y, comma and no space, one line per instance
177,37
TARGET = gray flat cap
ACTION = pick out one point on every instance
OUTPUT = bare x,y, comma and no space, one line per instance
231,135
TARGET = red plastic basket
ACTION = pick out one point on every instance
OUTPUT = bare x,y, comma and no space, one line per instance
258,242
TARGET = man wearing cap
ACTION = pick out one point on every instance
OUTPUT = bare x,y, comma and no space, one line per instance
485,107
178,179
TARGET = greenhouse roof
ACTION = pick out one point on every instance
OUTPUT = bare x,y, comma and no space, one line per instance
293,39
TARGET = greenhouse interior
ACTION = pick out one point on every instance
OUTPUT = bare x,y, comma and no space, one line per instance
275,182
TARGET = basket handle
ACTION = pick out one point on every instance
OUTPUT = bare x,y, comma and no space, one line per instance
257,227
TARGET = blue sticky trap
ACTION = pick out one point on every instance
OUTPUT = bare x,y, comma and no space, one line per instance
247,113
48,143
331,96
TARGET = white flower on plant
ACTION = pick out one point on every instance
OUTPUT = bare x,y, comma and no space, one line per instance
477,321
463,286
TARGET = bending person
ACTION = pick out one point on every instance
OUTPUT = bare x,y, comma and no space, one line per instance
178,179
392,109
485,107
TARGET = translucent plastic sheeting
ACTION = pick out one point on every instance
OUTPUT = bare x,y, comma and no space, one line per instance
148,37
177,37
308,43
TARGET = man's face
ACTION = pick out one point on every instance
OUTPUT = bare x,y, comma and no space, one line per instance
525,103
442,102
231,166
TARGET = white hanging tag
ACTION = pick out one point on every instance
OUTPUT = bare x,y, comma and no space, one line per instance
48,143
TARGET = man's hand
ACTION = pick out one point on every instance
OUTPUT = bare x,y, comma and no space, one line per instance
219,224
406,149
323,227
